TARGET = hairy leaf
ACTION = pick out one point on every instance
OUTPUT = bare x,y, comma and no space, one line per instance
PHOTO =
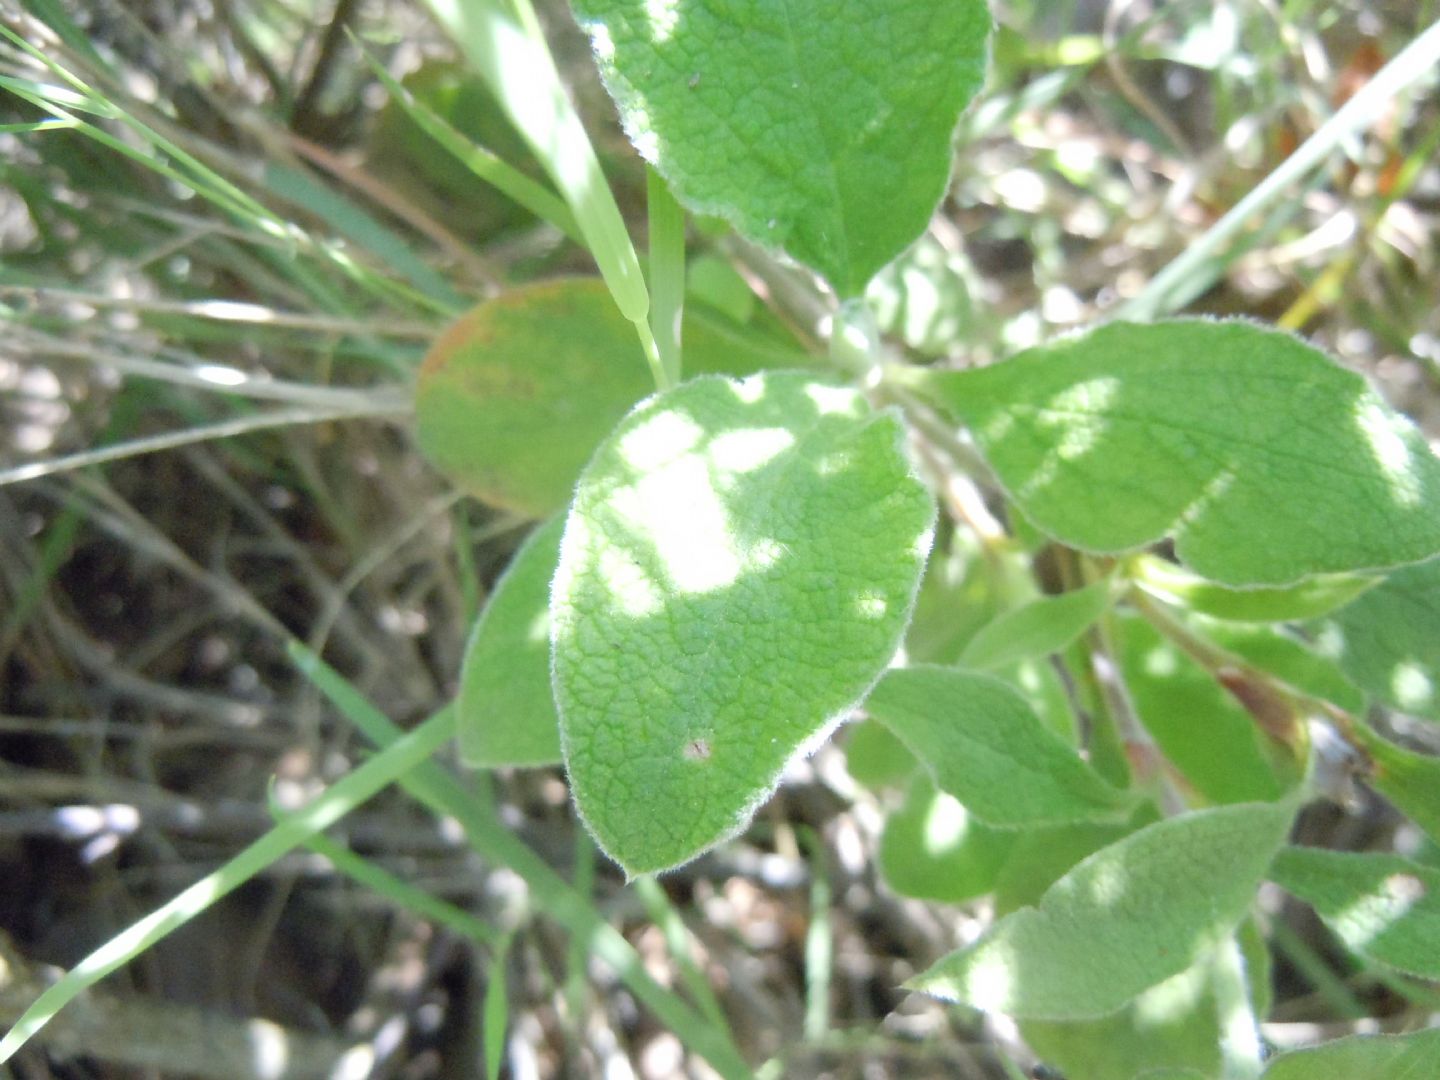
1264,459
1174,1028
819,126
1041,627
737,569
1127,918
1410,780
985,746
934,850
505,712
1384,907
1373,1057
1388,641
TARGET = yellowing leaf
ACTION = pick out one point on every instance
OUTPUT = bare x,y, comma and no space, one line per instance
516,395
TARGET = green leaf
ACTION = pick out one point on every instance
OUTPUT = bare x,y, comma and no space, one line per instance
1172,1029
986,747
1200,728
1373,1057
505,711
875,757
1039,628
821,128
514,397
1308,599
737,569
932,849
1388,641
925,298
1125,919
963,589
1264,459
1383,907
1043,856
1409,780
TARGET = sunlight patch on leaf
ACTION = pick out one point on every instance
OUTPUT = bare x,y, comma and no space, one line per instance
1384,907
744,451
664,16
1125,919
1392,454
945,824
1411,687
733,642
1264,460
659,440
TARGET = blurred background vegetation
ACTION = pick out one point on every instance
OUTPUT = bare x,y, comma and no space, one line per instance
224,248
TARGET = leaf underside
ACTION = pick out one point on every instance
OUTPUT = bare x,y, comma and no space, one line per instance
1128,917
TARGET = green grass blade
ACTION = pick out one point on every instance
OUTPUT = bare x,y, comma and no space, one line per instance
444,794
506,47
819,946
1184,278
496,1013
667,272
386,884
677,941
350,221
488,166
401,755
237,425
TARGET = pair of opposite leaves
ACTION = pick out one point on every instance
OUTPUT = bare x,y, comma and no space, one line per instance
741,555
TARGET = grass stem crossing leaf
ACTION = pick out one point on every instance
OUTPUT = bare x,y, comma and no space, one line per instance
822,127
